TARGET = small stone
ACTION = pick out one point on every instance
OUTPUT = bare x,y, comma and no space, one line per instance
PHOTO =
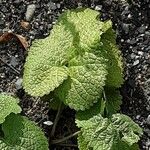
147,33
141,29
18,83
136,62
30,11
132,56
126,27
58,5
148,120
13,61
98,7
52,6
129,16
48,123
138,116
132,41
140,53
122,40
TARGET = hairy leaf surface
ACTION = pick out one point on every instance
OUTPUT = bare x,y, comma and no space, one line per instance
115,65
22,134
8,104
100,133
129,129
45,65
86,25
86,80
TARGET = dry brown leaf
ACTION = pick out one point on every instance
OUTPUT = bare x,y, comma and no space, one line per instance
9,35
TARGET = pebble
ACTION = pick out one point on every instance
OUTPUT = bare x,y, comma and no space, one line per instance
140,53
136,62
48,123
30,11
52,5
126,28
18,83
98,7
148,120
13,61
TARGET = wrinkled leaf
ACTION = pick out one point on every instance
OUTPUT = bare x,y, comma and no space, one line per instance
22,134
8,104
85,85
98,133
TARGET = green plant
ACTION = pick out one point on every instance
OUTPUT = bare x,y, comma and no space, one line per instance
80,65
16,131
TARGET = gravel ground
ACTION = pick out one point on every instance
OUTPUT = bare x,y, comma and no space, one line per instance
132,24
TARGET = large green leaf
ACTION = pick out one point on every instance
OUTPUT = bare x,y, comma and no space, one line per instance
85,84
22,134
8,104
98,133
45,65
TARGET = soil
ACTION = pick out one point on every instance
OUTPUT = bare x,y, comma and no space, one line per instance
132,25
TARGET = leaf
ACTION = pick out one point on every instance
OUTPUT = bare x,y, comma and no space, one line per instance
92,111
26,134
82,144
98,133
85,83
112,53
129,129
86,25
9,35
72,61
45,66
8,104
47,61
113,100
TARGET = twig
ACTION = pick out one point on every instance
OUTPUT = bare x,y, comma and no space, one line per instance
15,70
56,120
65,138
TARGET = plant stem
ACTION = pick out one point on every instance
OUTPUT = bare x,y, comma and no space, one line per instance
65,138
56,119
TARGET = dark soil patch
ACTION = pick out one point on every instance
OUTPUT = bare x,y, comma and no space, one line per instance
132,24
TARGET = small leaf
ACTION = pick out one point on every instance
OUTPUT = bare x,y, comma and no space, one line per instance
129,129
114,64
98,133
8,104
22,134
113,100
